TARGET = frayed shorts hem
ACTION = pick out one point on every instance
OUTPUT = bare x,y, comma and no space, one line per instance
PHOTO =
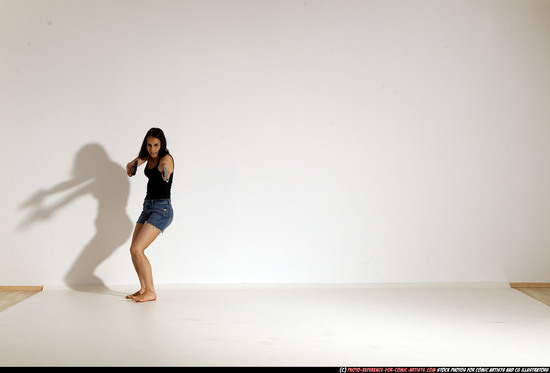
157,212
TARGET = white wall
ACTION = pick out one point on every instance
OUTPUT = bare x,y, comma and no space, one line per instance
315,141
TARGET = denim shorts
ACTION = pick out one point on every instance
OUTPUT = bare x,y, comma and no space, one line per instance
157,212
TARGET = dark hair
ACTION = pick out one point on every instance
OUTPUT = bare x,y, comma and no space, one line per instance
158,134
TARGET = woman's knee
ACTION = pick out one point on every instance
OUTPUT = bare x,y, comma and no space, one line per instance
135,251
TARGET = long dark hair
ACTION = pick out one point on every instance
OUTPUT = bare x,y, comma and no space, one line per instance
158,134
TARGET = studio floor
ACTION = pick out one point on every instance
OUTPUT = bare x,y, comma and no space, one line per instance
279,325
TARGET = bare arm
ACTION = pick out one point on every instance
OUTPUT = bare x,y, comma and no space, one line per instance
130,164
167,161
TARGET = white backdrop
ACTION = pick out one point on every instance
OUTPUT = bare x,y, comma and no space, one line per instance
315,141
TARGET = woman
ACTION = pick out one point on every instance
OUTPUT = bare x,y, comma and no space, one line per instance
157,211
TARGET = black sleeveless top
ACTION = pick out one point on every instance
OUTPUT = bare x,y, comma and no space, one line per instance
157,188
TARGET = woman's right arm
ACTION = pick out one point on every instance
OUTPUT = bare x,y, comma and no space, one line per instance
131,164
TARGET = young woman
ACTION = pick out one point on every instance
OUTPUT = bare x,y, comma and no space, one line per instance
157,211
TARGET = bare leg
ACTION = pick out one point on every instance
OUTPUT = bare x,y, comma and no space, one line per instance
137,229
143,238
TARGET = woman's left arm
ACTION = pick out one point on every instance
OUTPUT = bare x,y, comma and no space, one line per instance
167,161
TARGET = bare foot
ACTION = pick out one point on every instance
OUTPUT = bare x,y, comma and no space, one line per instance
135,294
145,297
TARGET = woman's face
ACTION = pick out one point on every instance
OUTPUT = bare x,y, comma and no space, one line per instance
153,146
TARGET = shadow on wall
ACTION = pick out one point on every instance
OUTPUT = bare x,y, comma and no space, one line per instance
96,175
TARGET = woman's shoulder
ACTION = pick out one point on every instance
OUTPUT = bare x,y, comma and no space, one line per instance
167,158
